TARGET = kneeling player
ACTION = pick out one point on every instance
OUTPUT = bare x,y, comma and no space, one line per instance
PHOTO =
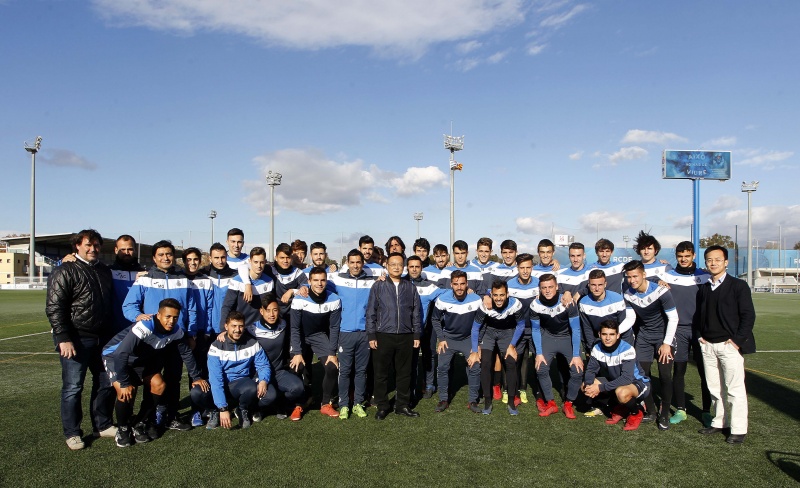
613,368
272,334
231,362
135,357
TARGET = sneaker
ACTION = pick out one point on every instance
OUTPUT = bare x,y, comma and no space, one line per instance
595,412
617,413
512,410
258,416
213,421
497,392
297,414
487,410
633,421
569,412
523,396
123,437
152,431
663,422
328,410
505,397
177,424
706,419
140,433
648,417
237,413
441,406
75,443
279,416
197,420
428,393
358,410
344,413
109,432
541,406
244,420
550,409
474,408
517,401
680,416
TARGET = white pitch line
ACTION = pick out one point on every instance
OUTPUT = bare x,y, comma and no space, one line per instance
26,335
787,350
28,353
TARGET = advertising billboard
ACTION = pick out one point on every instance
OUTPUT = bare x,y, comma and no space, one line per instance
696,165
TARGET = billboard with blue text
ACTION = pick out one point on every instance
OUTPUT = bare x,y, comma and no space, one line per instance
696,165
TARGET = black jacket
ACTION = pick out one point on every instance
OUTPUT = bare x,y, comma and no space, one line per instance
393,310
80,299
735,311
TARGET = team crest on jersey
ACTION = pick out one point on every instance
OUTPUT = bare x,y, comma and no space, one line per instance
648,300
610,309
325,308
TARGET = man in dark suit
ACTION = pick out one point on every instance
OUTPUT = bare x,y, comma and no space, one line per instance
726,316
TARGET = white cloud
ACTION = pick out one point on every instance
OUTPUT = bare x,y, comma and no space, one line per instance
765,159
608,221
627,154
468,47
418,180
533,225
719,143
536,48
497,57
556,21
683,222
765,222
724,203
402,28
576,155
467,64
64,158
637,136
314,184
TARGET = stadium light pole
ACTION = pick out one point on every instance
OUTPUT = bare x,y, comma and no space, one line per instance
212,216
273,180
418,217
626,239
749,188
453,144
32,251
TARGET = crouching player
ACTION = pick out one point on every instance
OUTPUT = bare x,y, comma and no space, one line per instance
613,368
272,335
231,362
135,357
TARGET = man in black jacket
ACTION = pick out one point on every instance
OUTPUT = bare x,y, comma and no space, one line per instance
394,318
726,316
80,310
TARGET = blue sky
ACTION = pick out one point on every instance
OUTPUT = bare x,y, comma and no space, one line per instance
153,113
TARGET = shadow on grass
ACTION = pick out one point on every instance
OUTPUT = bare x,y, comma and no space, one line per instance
766,390
788,462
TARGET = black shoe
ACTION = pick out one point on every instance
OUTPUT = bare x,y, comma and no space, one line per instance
735,439
140,433
648,417
663,422
177,424
428,393
406,412
124,437
709,430
381,414
441,406
152,431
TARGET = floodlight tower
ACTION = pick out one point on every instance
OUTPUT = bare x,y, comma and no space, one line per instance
749,188
32,256
212,216
418,217
273,180
453,144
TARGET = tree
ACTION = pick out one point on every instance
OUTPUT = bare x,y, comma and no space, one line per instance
796,245
717,240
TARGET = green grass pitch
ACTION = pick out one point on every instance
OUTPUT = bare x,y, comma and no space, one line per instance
456,448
